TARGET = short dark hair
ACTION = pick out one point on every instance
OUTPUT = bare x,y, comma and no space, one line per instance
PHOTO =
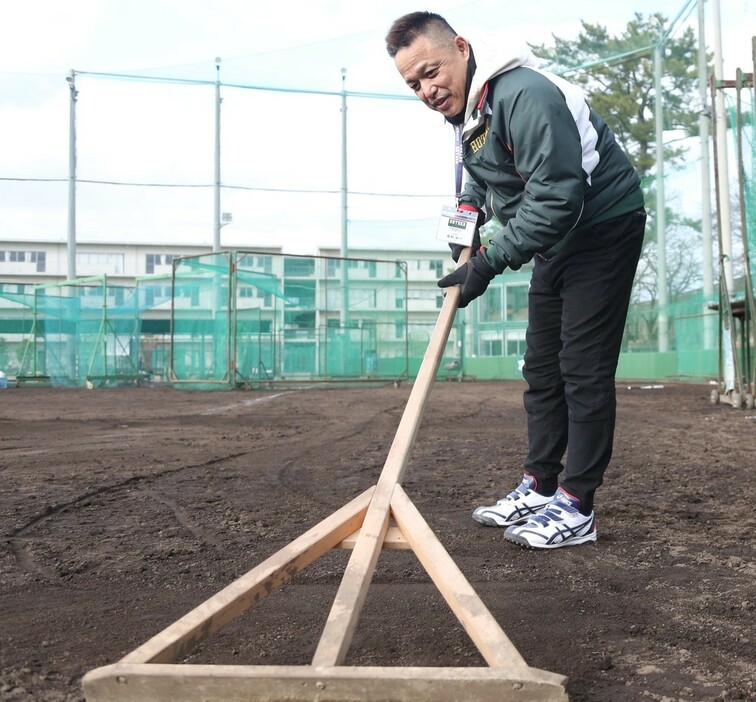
409,27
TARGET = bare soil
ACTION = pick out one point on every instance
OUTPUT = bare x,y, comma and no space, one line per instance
121,509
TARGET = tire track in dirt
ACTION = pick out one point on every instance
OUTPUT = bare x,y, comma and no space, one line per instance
15,538
182,518
296,477
292,475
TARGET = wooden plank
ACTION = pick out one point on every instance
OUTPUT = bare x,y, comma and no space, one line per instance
485,632
175,642
223,683
393,540
340,626
347,606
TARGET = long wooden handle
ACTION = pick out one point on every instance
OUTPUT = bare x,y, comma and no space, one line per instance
347,606
396,463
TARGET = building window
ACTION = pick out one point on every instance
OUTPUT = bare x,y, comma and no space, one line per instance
516,295
426,298
99,262
154,260
491,344
17,256
250,292
38,257
515,342
299,267
490,306
333,267
157,295
360,299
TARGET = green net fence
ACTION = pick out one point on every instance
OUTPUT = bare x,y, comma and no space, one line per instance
83,331
252,319
737,368
16,325
243,318
741,114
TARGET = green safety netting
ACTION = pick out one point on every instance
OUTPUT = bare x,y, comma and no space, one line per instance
242,318
82,331
16,322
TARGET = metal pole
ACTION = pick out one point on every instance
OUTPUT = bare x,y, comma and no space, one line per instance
217,181
704,126
72,177
723,170
661,224
344,221
750,304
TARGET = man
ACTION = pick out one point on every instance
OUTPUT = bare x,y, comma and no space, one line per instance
548,168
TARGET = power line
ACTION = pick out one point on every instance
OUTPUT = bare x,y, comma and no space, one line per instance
311,191
243,86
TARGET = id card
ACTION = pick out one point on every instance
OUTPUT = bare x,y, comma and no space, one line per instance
457,226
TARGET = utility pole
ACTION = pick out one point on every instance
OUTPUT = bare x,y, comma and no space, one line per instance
71,80
217,180
704,129
344,209
661,219
725,234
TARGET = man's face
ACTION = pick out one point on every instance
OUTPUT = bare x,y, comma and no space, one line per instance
436,74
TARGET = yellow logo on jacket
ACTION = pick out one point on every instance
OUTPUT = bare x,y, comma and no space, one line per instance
479,141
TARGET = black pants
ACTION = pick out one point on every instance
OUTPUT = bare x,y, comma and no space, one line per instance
578,303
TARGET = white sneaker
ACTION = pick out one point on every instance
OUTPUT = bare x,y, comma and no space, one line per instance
516,507
559,524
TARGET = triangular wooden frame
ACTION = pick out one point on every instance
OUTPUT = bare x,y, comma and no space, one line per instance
382,517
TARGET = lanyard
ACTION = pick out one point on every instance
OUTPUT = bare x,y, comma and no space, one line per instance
458,158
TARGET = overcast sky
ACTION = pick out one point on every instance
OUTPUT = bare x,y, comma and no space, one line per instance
274,142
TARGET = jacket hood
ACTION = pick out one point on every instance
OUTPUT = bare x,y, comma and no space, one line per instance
491,61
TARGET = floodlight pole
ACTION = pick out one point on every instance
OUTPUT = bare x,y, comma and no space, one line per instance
217,180
723,170
71,80
704,129
344,197
661,219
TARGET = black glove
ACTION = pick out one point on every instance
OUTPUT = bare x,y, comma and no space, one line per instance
456,249
473,278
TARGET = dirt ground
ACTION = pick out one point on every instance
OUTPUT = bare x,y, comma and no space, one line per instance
121,509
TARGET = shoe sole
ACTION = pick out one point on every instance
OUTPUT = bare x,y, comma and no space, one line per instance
491,522
482,518
576,541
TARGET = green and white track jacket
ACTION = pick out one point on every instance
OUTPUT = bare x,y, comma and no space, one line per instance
538,159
